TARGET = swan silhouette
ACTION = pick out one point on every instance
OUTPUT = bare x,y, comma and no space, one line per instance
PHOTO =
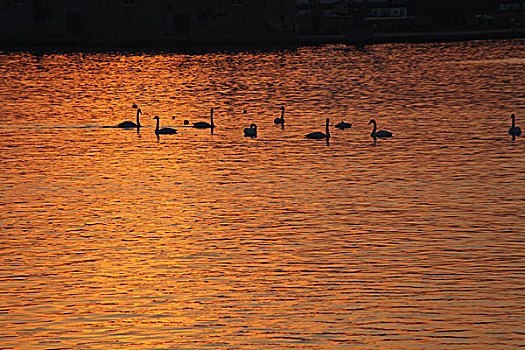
163,131
129,124
251,131
317,135
205,125
281,119
343,125
514,130
380,133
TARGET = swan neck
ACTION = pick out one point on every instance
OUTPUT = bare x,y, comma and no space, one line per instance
513,121
282,114
138,115
375,127
211,118
158,126
327,128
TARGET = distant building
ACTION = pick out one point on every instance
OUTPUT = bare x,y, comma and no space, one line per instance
388,12
326,17
345,16
172,22
127,21
238,19
510,13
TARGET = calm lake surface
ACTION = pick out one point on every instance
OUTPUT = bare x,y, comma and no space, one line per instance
111,238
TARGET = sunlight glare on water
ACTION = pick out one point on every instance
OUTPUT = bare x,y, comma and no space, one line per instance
112,238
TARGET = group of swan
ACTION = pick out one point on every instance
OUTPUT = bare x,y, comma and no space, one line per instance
252,130
318,135
165,131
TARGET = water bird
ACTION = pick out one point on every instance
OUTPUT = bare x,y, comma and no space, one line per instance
317,135
130,124
186,121
163,131
514,130
281,119
251,131
343,125
205,125
380,133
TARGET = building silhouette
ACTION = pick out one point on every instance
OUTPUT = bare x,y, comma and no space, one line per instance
252,22
134,21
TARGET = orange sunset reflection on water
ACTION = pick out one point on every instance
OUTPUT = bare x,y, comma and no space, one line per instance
112,238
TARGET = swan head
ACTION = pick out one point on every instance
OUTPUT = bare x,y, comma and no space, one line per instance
139,111
282,108
156,117
244,112
134,106
253,126
186,121
372,121
512,116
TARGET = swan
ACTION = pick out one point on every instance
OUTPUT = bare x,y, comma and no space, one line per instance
163,131
343,125
128,124
281,119
251,131
319,135
380,133
205,125
514,130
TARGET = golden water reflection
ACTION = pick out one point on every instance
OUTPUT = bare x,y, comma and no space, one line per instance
112,238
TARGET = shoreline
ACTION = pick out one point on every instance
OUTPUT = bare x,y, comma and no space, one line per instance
263,43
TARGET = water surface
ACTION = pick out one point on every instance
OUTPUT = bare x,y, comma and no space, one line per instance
111,238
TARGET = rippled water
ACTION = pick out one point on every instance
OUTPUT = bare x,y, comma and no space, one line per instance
111,238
